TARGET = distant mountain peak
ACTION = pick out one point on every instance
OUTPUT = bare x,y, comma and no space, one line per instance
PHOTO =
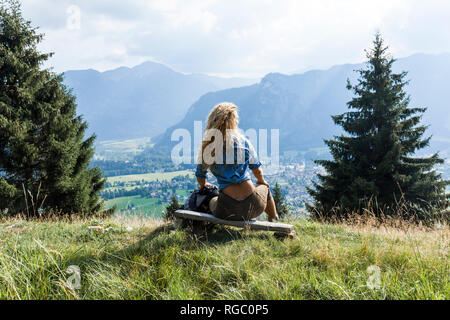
141,101
152,67
271,78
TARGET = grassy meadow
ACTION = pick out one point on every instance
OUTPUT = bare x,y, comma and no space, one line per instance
134,258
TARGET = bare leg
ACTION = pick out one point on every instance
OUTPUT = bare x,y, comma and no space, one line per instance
271,210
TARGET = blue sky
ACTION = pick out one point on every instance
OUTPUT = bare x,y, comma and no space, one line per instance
247,38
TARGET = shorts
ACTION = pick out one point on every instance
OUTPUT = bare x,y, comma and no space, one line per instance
225,207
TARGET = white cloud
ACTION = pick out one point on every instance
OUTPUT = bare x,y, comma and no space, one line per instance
246,37
180,14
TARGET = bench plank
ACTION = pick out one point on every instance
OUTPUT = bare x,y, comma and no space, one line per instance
252,224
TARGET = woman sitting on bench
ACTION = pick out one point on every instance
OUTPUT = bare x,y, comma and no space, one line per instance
239,198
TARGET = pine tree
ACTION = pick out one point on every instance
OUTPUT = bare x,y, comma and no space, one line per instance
280,201
43,157
171,208
373,166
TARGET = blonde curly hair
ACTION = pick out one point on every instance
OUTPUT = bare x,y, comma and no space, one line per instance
225,119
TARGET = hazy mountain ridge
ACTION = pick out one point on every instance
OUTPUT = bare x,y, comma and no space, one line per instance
301,105
138,102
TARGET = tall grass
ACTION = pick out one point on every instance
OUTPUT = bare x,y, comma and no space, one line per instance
126,258
412,213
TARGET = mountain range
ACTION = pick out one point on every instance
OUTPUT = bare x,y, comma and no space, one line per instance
142,101
301,105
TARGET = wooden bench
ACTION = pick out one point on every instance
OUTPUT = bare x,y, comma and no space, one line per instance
281,229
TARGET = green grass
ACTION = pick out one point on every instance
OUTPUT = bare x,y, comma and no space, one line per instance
144,259
143,206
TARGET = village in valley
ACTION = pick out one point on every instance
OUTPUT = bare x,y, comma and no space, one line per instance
142,193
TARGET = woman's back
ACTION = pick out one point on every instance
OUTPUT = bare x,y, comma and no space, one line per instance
235,163
238,198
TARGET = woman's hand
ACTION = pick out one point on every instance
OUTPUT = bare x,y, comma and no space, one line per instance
202,183
206,185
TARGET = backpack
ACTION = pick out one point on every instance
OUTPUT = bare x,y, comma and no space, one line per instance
199,199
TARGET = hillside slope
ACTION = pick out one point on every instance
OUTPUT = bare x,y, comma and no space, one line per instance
143,259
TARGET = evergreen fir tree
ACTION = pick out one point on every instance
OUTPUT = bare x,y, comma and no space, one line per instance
373,166
43,157
280,201
171,208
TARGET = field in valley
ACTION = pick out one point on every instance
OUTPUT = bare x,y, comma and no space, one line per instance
149,177
120,150
142,205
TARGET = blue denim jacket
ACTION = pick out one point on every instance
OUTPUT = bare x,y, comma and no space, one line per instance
237,171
